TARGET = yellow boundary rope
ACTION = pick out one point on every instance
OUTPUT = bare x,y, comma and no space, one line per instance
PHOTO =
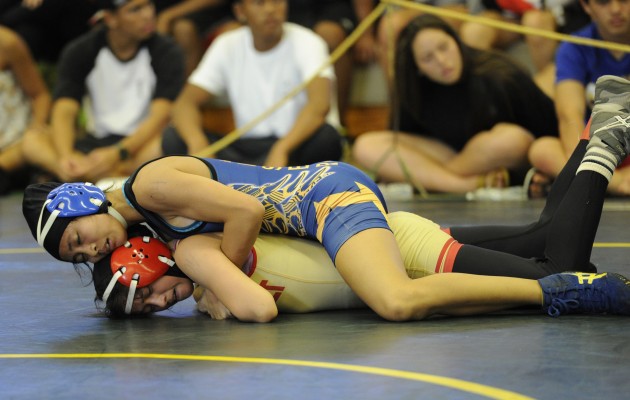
507,26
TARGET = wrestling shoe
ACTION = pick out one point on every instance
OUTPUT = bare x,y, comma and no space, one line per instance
610,120
578,292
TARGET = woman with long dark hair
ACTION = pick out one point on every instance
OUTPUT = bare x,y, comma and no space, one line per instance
461,117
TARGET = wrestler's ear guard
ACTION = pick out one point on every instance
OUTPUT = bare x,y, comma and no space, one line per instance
137,264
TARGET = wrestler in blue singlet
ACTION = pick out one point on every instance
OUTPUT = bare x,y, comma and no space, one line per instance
327,201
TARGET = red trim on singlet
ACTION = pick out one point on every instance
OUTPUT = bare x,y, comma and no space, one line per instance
443,252
447,256
254,262
450,258
447,230
586,133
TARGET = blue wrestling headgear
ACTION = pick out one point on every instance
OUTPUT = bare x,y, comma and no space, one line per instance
50,207
75,200
136,264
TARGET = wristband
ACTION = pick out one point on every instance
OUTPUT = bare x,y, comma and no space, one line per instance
123,153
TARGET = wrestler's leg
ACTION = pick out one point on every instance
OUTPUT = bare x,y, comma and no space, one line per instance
527,240
574,223
569,243
426,249
371,265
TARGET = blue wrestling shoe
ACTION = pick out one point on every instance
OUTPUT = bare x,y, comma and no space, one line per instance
610,120
578,292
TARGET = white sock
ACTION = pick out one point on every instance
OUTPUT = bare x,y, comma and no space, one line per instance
599,159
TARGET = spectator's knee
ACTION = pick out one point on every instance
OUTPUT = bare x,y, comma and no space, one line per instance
543,151
510,139
369,147
33,141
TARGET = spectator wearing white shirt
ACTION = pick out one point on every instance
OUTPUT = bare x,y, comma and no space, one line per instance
256,66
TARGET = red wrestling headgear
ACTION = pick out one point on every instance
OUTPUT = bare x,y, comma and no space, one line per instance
138,263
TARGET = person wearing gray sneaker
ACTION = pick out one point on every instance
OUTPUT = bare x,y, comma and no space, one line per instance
341,208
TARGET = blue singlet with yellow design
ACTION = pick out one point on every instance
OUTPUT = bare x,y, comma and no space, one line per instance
327,201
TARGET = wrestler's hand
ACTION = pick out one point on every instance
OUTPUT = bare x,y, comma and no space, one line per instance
208,303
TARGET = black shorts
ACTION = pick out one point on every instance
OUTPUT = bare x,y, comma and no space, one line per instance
326,144
89,142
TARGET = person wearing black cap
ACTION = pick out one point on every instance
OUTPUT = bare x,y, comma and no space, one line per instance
182,197
131,76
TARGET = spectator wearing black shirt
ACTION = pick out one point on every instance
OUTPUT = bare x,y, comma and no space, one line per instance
462,116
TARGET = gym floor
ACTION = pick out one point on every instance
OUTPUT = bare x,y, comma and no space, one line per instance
54,345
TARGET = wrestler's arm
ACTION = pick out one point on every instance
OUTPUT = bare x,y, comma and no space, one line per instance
208,303
177,187
201,259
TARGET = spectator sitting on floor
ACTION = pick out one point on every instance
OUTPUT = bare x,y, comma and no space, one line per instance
131,75
334,20
552,15
256,66
189,21
577,70
463,116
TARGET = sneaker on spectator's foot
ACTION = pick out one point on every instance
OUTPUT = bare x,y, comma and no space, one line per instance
579,292
610,120
512,193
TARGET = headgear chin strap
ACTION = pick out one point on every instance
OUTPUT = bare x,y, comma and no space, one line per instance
112,211
137,264
71,200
